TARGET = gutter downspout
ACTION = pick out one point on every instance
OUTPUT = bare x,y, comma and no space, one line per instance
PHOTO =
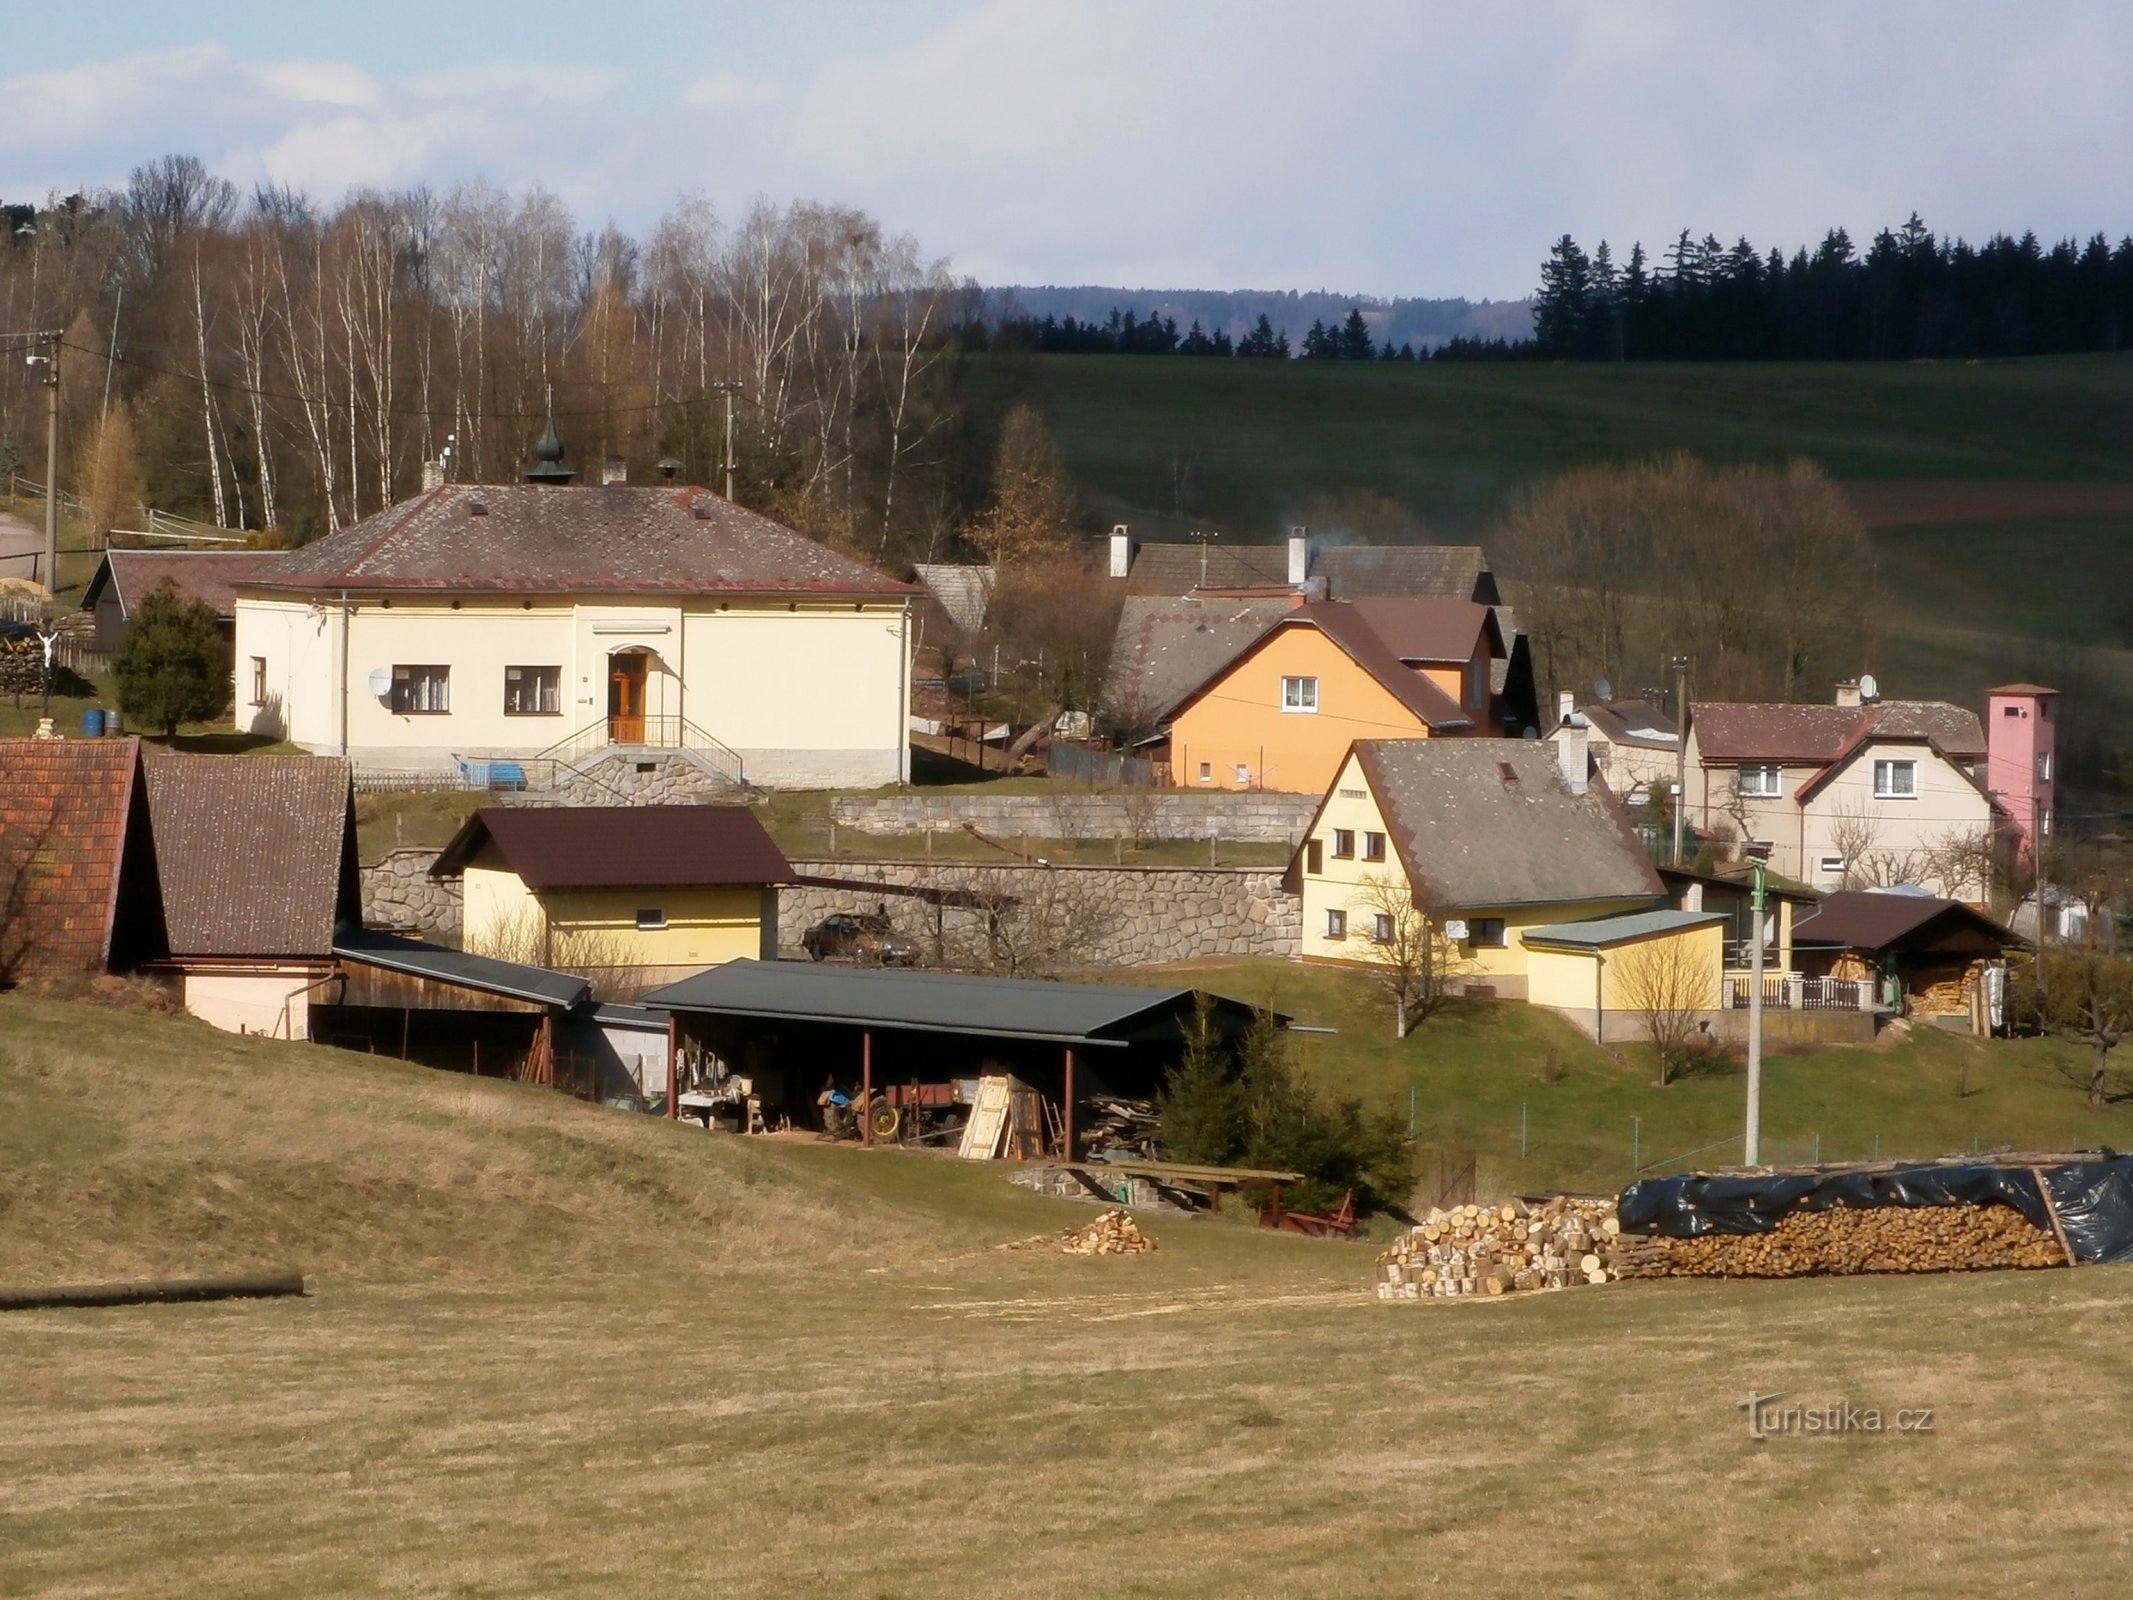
903,696
344,674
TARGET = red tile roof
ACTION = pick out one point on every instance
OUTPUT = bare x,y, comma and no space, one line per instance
621,847
256,853
209,576
550,539
72,826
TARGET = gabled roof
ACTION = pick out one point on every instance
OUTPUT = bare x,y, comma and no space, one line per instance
621,847
1738,878
933,1002
1438,632
209,576
1636,723
257,854
1493,822
1351,571
1166,648
1600,932
1730,732
77,865
964,592
553,539
1856,919
512,979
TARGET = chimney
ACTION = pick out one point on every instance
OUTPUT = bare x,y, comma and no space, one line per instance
432,476
1571,751
614,470
1299,554
1121,549
1566,702
1848,693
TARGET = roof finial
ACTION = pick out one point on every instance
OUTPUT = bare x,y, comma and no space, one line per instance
549,451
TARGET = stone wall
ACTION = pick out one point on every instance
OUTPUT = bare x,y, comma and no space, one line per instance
1141,814
1147,914
399,894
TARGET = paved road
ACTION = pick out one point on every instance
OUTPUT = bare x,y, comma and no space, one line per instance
21,547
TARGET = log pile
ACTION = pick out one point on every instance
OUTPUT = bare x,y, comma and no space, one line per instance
1848,1240
1500,1249
1134,1126
1112,1234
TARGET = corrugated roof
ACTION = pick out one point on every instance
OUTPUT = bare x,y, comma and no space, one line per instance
512,979
67,810
621,847
552,539
256,854
1492,822
1858,919
1351,571
209,576
1600,932
935,1002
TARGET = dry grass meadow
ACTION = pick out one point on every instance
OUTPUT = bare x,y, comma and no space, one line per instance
559,1351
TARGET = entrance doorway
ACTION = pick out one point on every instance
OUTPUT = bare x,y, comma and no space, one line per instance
626,672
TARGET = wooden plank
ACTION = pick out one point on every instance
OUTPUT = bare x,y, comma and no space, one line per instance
988,1120
2051,1209
1188,1173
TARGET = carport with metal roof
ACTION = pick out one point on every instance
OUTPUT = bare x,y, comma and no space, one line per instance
792,1020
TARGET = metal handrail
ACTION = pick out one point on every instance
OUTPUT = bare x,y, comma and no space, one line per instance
662,731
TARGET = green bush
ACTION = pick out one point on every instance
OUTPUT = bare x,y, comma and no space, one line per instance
173,666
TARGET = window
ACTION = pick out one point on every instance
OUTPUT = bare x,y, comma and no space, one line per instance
1355,794
651,918
2010,711
1343,844
1373,847
422,691
259,680
1244,773
2044,766
1832,866
1207,772
1314,856
1759,783
1485,933
1895,780
1381,929
1299,694
1477,684
2044,822
532,691
1336,924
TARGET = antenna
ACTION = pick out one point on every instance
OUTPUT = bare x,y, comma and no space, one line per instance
1869,688
1602,690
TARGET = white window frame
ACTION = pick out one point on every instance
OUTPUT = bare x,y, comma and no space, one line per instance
1769,781
1207,772
438,681
1831,866
1885,770
1244,772
1299,694
2044,766
1336,923
259,681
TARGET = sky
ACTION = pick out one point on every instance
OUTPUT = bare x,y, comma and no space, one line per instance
1387,147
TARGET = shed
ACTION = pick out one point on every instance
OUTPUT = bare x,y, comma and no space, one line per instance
796,1027
1926,952
124,578
444,1008
1608,974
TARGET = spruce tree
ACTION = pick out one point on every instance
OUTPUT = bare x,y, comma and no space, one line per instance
173,666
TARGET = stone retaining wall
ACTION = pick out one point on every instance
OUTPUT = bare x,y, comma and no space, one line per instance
1147,914
399,894
1141,815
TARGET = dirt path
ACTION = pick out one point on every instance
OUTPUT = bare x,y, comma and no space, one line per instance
21,546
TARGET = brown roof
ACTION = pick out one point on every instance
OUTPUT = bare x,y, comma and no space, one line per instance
1433,630
2021,688
1347,627
1813,735
1352,572
1855,919
1493,822
209,576
621,847
551,539
77,866
257,854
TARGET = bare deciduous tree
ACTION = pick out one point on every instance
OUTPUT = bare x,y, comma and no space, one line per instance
1414,963
1669,984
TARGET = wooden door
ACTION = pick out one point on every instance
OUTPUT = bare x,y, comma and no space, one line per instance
625,698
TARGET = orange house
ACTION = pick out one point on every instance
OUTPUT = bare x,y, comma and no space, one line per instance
1282,713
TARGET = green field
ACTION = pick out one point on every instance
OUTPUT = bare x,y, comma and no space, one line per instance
559,1351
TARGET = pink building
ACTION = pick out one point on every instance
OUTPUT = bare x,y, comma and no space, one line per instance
2021,757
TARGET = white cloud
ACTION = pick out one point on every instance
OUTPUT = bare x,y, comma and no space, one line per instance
727,89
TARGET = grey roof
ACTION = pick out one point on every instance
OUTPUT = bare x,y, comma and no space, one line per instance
510,978
933,1002
1166,648
1493,822
1351,571
965,593
553,539
1637,723
1600,932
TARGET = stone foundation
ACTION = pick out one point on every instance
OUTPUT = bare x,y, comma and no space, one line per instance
400,895
1141,815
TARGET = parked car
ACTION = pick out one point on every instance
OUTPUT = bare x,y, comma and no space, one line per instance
866,936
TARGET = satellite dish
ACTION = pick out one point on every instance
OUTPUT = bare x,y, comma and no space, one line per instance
1531,733
381,681
1602,690
1869,689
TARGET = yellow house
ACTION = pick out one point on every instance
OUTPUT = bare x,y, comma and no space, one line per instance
1486,838
628,628
640,894
1610,976
1283,711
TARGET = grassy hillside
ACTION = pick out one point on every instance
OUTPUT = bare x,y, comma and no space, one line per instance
562,1352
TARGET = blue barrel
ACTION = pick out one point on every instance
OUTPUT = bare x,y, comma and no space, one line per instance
111,724
92,723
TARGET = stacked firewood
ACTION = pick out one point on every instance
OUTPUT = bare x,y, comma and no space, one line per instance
1848,1240
1113,1234
1498,1249
1133,1126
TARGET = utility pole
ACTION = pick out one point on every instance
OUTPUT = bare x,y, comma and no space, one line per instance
1205,537
1681,753
728,390
47,357
1751,1156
